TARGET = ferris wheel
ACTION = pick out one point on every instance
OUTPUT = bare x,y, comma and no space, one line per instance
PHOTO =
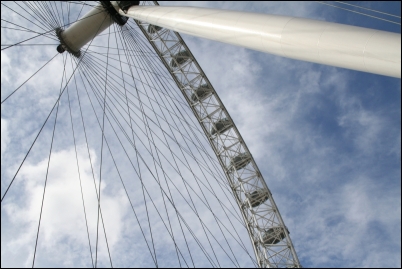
128,127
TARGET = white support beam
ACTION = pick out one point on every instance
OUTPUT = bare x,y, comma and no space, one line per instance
334,44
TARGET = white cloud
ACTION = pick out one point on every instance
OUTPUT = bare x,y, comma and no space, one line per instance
63,228
4,136
329,152
5,65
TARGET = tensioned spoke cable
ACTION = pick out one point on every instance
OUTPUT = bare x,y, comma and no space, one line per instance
37,16
119,140
194,143
159,71
172,87
184,117
180,173
57,15
146,52
164,202
98,196
42,34
373,10
82,7
48,165
154,89
68,12
89,154
181,160
20,15
141,157
125,63
51,32
40,13
191,130
188,164
85,72
144,162
79,172
102,129
103,54
138,164
151,130
112,32
62,11
159,113
148,132
27,40
87,144
44,16
50,13
81,3
145,201
33,143
151,87
201,190
100,173
220,202
57,12
197,181
15,29
28,79
149,118
364,14
31,44
163,73
162,154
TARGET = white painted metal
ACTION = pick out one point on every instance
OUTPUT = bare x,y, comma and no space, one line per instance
257,206
269,236
86,28
321,42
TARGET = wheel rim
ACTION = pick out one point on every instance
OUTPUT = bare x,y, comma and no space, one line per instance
93,73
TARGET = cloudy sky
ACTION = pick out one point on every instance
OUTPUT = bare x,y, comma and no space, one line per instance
327,141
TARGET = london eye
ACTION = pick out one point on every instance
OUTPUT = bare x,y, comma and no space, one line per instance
118,151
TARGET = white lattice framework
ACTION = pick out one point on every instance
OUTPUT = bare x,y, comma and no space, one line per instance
268,233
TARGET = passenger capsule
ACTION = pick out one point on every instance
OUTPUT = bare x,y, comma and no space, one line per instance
201,93
258,197
180,58
221,126
273,235
241,160
153,29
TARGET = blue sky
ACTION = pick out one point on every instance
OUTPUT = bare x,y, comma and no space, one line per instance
326,139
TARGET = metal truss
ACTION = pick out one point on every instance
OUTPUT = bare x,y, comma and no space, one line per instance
268,233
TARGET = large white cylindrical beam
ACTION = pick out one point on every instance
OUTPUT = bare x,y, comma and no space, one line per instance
321,42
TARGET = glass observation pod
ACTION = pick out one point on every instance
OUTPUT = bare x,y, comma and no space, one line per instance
257,197
274,235
201,93
220,126
179,58
153,29
240,161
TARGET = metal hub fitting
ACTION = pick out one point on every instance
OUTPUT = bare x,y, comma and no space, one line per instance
81,32
63,45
